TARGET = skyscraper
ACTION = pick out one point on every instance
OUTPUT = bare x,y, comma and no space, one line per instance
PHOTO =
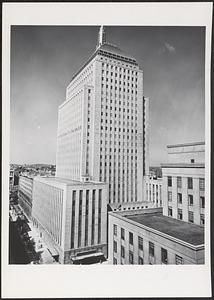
102,125
101,154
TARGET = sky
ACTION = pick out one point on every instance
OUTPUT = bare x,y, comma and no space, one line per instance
44,59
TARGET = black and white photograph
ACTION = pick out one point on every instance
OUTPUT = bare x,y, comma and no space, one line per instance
108,147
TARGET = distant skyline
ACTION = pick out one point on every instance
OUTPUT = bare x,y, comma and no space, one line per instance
44,59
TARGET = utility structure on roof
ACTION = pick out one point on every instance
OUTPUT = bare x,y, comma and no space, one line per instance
102,36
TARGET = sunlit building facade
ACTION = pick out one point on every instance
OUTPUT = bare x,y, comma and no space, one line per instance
71,217
184,183
25,193
103,124
148,237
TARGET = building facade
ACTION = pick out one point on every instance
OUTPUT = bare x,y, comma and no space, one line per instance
11,178
71,217
25,191
103,124
153,190
184,183
148,237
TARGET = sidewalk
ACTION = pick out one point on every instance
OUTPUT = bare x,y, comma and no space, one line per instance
40,246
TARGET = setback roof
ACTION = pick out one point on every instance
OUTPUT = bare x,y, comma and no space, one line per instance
190,233
69,181
114,50
186,144
107,48
183,165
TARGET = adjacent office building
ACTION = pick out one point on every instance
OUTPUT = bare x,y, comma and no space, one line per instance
11,178
71,217
173,234
25,191
147,236
102,127
184,182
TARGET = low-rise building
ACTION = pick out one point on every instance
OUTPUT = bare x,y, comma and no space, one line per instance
147,237
25,191
71,217
184,182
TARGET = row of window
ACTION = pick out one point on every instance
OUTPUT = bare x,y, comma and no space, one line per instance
164,254
118,157
111,67
119,122
190,215
190,199
117,59
119,81
189,182
118,129
117,96
120,116
119,89
81,214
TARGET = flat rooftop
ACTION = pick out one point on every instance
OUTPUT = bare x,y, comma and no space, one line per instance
190,233
68,181
186,144
183,165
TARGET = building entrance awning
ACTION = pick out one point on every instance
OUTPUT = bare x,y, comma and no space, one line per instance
80,257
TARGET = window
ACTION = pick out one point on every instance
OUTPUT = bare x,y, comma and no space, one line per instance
202,219
130,238
131,257
86,217
151,249
180,198
140,260
80,219
163,256
190,200
115,229
178,260
169,211
122,252
73,218
189,183
191,217
122,234
201,184
192,160
115,247
169,180
202,202
169,196
114,261
180,214
140,243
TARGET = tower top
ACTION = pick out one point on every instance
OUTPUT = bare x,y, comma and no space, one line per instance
102,36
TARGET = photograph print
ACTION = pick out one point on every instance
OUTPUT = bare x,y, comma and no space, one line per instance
107,145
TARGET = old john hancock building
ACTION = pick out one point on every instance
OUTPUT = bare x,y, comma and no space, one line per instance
101,154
